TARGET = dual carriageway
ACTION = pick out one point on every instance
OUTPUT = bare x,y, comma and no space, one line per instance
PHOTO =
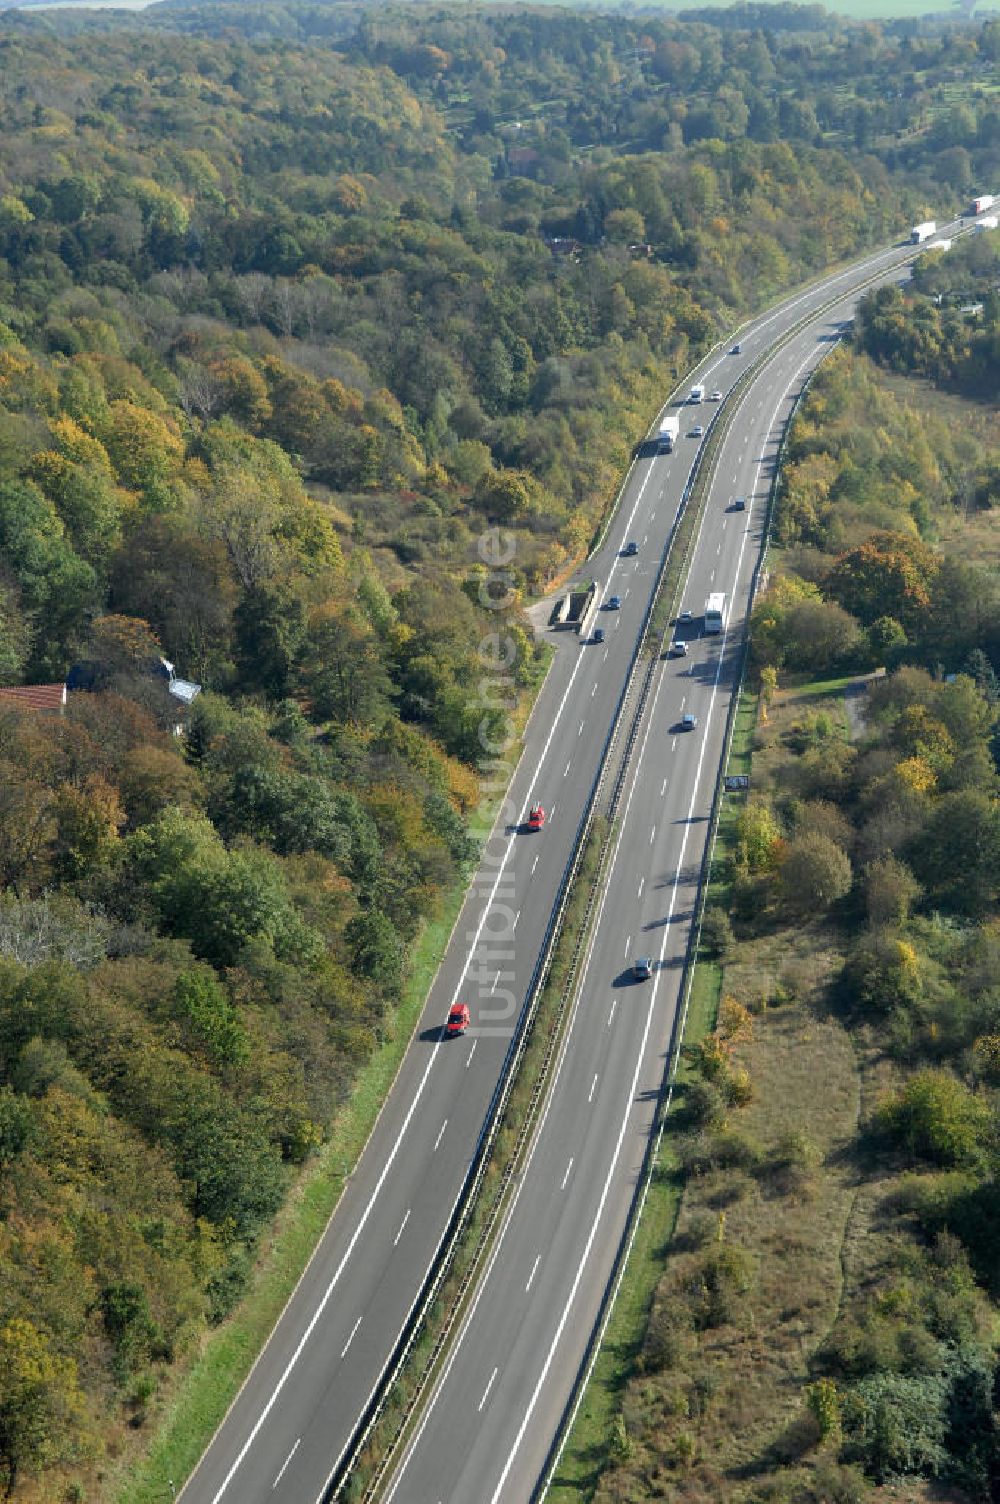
490,1428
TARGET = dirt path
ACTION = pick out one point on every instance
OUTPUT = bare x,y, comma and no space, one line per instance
856,703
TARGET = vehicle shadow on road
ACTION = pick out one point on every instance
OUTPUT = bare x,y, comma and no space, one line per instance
627,979
678,918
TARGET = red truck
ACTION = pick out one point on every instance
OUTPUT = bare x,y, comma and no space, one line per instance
536,817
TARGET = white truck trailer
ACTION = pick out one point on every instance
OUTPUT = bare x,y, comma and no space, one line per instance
668,434
715,613
923,231
982,203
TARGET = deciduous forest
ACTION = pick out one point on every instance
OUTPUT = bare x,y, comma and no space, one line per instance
296,300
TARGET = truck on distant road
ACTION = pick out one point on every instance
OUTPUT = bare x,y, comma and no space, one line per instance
982,203
923,231
715,612
697,394
668,434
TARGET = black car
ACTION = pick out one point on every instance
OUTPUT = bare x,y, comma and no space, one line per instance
598,635
642,968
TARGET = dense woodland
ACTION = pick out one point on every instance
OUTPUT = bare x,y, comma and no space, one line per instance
859,948
294,301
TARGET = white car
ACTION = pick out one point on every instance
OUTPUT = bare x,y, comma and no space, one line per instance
716,396
698,431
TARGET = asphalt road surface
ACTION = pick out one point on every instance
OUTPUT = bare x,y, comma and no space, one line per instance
493,1418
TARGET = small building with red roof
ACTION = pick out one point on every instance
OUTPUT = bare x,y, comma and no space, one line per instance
45,698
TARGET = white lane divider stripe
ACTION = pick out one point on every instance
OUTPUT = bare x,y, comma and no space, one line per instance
486,1391
284,1465
354,1328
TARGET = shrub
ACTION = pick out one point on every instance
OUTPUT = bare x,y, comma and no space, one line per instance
737,1088
703,1104
935,1117
724,1277
735,1021
824,1406
667,1336
897,1425
723,1150
815,872
717,932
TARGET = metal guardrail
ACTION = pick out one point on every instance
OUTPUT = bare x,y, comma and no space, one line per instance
467,1196
694,934
466,1200
540,978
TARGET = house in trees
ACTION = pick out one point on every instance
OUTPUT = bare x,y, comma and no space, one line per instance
92,675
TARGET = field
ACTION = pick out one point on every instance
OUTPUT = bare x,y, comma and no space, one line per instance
875,10
974,430
782,1221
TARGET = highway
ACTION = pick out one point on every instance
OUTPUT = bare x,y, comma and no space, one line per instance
489,1427
487,1431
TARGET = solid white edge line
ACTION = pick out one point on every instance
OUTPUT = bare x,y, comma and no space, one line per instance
486,1275
580,1396
556,1076
755,329
529,1410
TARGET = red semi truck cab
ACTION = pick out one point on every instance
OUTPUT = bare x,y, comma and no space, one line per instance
536,817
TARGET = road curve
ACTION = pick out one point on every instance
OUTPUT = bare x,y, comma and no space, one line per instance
487,1431
300,1406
